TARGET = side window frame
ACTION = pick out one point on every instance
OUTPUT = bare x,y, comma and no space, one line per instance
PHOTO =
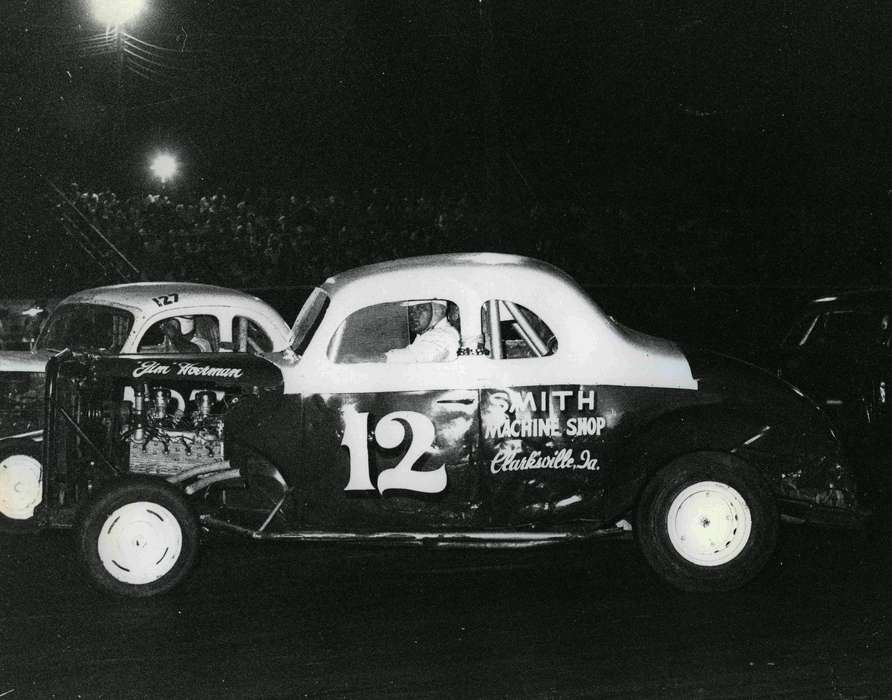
394,332
157,320
335,352
492,329
241,335
819,335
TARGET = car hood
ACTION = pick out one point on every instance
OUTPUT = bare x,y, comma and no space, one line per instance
24,360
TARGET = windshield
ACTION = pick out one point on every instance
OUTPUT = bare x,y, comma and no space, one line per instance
308,320
89,327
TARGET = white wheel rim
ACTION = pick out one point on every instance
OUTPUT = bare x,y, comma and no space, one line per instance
21,486
140,542
709,523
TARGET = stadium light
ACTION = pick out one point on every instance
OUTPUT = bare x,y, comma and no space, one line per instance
164,166
114,13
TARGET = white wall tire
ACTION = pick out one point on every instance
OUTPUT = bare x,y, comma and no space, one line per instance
138,537
707,522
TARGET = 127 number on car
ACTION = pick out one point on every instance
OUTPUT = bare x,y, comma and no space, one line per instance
390,432
166,299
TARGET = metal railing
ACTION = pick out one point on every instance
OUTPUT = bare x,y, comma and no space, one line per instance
91,240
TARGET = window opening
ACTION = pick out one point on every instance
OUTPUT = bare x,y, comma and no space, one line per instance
513,331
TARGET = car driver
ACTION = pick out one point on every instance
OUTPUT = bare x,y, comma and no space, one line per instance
180,336
436,340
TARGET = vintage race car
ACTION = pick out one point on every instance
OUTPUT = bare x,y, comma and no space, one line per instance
127,319
549,422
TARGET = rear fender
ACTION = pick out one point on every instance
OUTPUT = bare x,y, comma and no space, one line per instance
714,429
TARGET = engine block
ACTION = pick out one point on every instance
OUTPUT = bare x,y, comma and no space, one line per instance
173,453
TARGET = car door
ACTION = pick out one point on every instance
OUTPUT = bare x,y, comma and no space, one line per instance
388,446
542,445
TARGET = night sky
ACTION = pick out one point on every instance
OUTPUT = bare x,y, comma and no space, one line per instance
768,112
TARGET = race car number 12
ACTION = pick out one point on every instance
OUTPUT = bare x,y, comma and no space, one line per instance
389,434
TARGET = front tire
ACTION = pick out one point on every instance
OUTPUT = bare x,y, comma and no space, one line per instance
705,523
138,537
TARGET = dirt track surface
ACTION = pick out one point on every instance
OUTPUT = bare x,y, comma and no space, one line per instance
284,620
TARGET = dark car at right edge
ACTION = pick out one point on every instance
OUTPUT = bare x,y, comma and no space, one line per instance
839,352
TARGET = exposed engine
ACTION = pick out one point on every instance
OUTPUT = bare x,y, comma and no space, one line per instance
157,417
170,433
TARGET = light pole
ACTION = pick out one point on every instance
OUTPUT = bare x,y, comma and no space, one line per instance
114,14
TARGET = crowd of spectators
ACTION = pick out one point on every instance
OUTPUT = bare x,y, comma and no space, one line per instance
261,238
258,238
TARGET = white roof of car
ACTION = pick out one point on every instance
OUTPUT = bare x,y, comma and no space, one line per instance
592,349
473,269
140,296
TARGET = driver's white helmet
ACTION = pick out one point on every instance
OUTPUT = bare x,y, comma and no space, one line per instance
187,324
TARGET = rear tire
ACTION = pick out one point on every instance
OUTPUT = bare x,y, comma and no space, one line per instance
138,537
707,524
